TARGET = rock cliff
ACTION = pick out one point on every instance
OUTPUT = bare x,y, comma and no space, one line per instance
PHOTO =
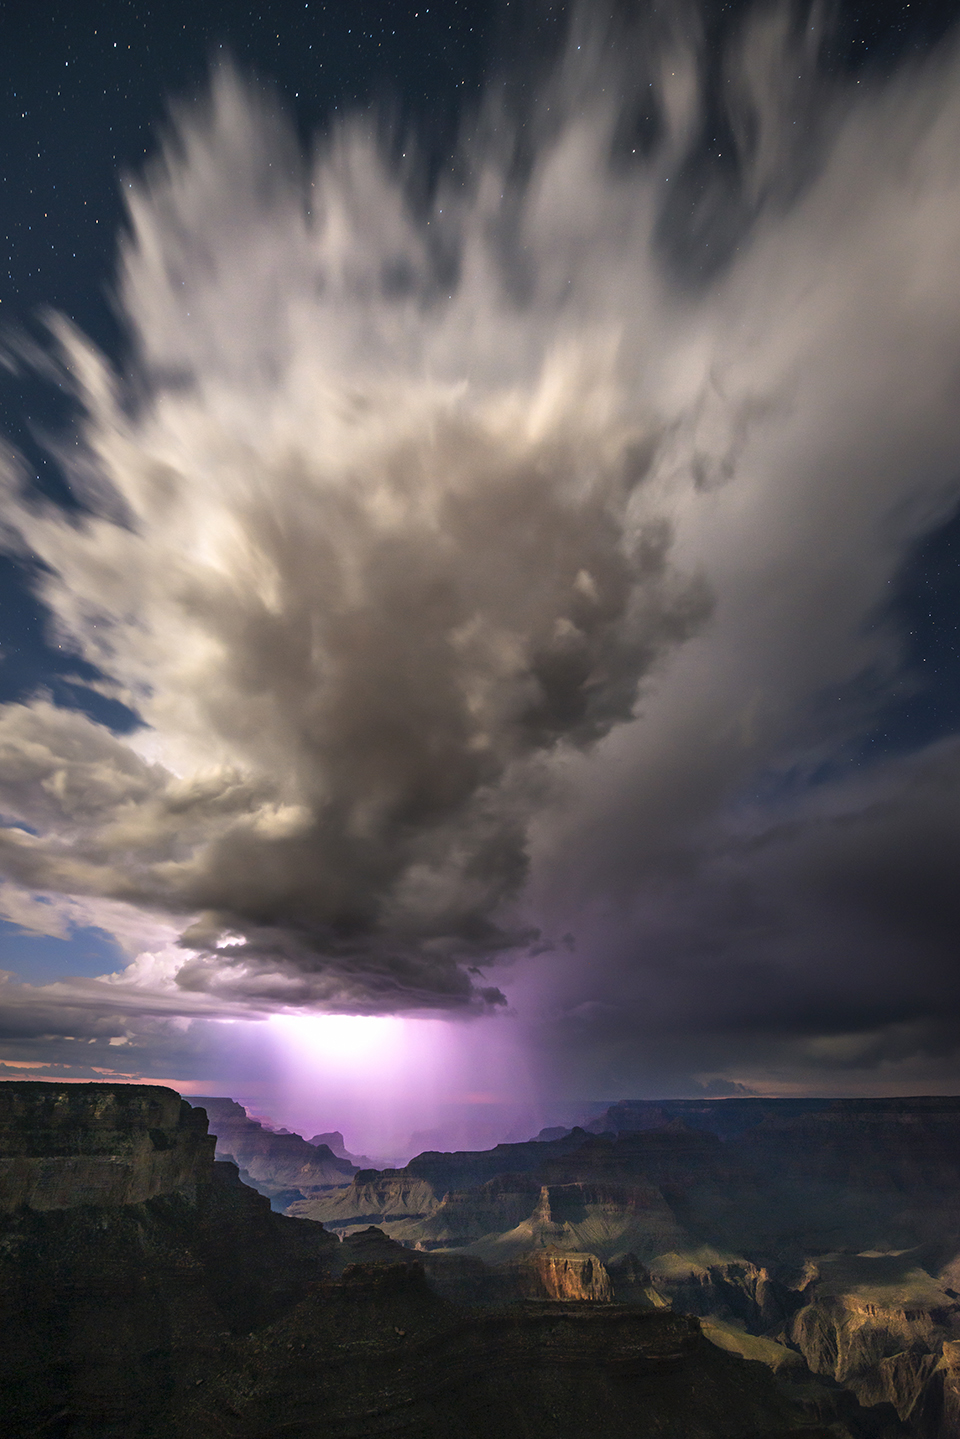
555,1274
941,1412
389,1198
880,1325
106,1144
124,1248
278,1165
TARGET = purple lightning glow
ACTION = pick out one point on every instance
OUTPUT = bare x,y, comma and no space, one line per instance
391,1085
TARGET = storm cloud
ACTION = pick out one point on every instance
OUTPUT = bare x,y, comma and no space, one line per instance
511,564
356,578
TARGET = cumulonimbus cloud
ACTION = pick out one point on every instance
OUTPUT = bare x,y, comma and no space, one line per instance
358,567
404,505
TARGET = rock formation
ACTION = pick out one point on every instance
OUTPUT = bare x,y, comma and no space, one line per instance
781,1217
880,1325
941,1412
104,1144
387,1198
196,1311
282,1166
554,1274
333,1140
125,1249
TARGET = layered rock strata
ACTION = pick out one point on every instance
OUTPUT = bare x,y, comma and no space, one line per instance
105,1144
553,1274
881,1326
729,1209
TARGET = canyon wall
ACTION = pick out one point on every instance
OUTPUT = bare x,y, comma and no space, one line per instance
279,1165
105,1144
826,1230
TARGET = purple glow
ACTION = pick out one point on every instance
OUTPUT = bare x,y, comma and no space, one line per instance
392,1085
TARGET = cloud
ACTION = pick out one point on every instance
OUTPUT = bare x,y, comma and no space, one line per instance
754,896
805,941
510,564
360,578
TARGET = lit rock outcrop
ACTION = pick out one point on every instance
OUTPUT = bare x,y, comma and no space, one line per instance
881,1326
554,1274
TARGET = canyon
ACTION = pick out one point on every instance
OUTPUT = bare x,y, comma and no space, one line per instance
812,1231
280,1165
738,1268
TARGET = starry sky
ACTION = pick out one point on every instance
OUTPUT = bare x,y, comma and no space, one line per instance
480,568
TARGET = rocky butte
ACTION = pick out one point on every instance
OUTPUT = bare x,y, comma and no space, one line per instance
106,1145
147,1293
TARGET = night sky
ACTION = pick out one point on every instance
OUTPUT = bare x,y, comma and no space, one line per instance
480,572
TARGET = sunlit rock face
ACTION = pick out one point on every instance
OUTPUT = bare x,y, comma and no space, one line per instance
109,1144
553,1274
879,1324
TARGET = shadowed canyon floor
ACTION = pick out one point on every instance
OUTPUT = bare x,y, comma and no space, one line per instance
147,1292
